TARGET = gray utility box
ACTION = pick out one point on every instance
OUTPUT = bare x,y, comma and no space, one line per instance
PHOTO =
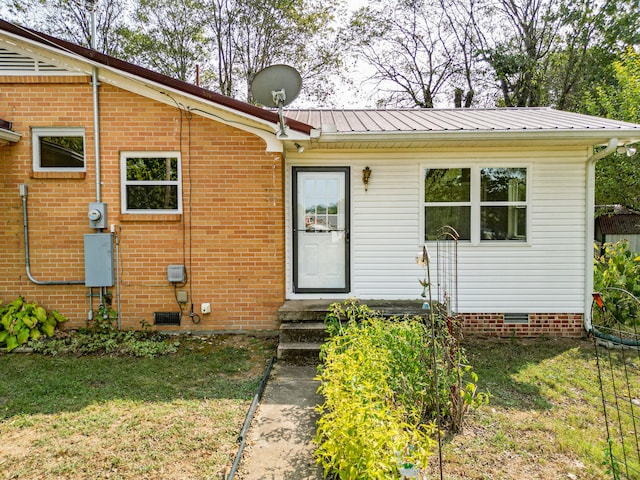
98,260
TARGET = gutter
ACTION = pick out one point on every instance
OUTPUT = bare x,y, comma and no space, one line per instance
9,136
590,177
570,136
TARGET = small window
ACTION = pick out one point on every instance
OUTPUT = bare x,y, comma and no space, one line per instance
151,182
58,149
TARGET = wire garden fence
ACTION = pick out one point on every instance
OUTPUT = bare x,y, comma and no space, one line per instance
615,317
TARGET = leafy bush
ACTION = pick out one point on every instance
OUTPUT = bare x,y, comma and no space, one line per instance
380,398
22,321
617,268
102,338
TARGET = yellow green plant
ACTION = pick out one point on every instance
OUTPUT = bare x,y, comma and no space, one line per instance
381,403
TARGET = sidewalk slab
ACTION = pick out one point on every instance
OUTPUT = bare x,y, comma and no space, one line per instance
280,440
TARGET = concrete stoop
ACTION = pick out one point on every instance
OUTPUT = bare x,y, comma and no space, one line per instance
303,331
300,342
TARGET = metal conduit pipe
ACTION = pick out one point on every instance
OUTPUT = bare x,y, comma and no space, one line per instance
27,258
96,132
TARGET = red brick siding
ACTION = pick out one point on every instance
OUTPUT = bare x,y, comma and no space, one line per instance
231,231
553,324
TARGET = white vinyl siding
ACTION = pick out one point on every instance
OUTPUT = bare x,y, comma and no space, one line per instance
545,274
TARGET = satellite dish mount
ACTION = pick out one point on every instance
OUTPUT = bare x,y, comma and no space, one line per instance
277,86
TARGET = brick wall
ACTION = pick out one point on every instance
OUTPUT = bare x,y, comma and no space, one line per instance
230,235
538,324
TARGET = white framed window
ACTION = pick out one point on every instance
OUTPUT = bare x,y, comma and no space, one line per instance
58,149
483,203
151,182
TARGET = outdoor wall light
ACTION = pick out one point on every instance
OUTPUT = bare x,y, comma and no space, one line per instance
366,174
299,147
629,150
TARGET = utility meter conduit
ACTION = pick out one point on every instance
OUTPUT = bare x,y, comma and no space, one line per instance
27,259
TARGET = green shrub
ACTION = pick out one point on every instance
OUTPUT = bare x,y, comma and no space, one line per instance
617,268
101,337
22,321
377,378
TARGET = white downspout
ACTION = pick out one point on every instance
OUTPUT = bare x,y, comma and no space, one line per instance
589,226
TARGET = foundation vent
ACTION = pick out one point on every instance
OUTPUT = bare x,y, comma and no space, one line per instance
166,318
516,318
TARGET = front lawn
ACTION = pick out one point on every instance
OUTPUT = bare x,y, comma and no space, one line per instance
545,417
178,416
90,417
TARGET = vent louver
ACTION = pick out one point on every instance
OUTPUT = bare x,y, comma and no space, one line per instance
13,63
516,318
166,318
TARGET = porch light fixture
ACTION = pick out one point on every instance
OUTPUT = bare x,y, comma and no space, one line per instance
629,150
366,174
299,147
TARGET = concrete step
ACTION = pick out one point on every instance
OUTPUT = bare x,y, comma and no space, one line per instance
300,332
299,353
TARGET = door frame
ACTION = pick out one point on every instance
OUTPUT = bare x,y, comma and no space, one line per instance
347,227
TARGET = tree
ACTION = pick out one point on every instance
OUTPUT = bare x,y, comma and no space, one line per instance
617,176
71,20
414,55
168,37
285,31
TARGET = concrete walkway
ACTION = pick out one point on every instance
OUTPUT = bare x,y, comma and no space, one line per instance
279,442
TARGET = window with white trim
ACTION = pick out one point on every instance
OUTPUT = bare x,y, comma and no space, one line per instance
481,203
151,182
58,149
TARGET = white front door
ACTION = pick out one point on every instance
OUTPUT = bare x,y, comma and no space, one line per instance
321,229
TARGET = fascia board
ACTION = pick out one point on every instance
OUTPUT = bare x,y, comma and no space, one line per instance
570,137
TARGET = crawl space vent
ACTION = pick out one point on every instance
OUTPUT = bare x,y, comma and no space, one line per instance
166,318
516,318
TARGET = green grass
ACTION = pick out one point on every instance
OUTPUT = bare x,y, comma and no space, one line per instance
128,418
179,416
545,417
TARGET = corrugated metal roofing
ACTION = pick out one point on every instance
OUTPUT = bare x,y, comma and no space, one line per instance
450,120
623,223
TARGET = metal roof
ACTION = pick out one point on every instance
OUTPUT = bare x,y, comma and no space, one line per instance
619,224
456,120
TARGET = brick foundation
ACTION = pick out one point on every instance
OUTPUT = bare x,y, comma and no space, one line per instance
538,324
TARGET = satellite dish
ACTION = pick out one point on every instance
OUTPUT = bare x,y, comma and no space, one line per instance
276,86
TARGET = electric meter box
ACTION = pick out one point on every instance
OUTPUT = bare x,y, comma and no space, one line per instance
98,260
97,215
